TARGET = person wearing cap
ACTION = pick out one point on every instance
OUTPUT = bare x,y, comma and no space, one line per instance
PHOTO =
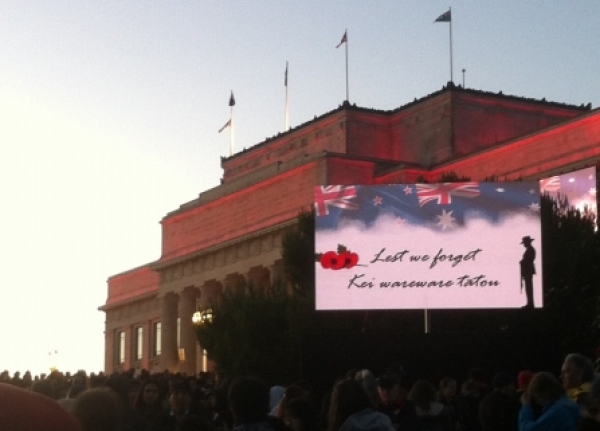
499,410
528,269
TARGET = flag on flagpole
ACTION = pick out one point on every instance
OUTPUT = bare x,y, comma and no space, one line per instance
445,17
225,126
231,100
344,39
286,74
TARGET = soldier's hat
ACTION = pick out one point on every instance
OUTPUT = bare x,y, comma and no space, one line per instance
526,240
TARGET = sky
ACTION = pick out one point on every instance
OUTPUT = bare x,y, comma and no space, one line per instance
109,113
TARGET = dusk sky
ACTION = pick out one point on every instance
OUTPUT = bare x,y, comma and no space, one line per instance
109,112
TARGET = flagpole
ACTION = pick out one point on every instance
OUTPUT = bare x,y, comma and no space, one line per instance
451,71
347,90
231,135
286,113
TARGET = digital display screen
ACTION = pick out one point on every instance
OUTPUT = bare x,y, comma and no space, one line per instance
579,189
428,246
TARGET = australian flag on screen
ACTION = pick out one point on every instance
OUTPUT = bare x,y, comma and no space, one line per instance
444,206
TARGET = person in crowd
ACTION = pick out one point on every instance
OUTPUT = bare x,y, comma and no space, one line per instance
26,410
577,373
249,403
148,405
301,415
591,411
559,413
180,403
222,413
276,394
447,395
431,415
369,383
290,393
193,423
351,409
499,410
99,409
395,405
69,401
523,379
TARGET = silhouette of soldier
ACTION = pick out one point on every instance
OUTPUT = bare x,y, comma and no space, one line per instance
528,269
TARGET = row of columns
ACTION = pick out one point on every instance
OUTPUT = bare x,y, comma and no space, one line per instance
183,305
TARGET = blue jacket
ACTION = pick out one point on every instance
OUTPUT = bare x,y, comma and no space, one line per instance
561,415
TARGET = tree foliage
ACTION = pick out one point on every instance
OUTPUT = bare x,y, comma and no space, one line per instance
297,251
255,332
571,275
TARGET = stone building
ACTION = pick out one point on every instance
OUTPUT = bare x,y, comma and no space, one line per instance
232,233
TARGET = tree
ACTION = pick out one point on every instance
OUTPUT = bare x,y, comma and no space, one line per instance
571,275
255,332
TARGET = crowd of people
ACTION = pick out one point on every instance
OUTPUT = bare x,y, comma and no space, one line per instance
357,401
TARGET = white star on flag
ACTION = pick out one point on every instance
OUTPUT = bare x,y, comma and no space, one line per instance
534,207
407,190
446,220
500,190
378,200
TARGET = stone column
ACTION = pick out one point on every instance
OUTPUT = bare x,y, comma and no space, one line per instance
187,307
168,355
109,351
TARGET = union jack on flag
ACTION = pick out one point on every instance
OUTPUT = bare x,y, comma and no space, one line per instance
454,204
443,192
549,185
337,196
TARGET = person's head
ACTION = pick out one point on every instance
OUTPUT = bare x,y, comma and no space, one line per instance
348,397
27,410
75,390
388,388
369,383
576,370
526,241
448,388
301,415
422,394
99,409
180,397
248,400
148,394
592,406
545,388
523,379
503,382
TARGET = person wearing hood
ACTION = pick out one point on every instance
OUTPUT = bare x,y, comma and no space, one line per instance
559,413
352,410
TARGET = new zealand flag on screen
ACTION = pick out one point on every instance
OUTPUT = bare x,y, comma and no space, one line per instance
444,206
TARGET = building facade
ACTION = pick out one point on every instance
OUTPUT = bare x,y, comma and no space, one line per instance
232,233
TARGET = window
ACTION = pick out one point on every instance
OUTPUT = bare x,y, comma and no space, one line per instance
157,339
120,347
139,343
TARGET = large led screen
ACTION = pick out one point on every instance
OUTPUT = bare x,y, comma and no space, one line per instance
579,189
428,246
